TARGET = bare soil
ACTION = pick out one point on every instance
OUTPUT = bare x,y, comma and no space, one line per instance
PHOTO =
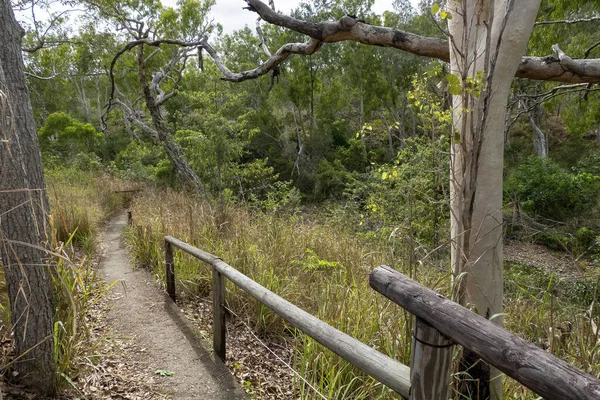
562,264
169,352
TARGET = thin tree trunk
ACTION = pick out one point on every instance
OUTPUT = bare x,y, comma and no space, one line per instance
173,150
540,141
23,218
80,85
299,145
388,129
312,91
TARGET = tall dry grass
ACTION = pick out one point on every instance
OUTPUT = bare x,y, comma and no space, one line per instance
321,267
80,203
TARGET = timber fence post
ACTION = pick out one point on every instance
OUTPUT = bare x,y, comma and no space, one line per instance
430,363
219,330
170,270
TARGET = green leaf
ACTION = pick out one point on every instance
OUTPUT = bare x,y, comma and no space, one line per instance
455,87
164,372
444,14
435,8
456,136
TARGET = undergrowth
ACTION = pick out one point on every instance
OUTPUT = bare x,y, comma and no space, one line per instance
323,268
80,202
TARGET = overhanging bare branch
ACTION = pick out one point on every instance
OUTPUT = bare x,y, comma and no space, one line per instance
550,68
281,55
568,21
125,49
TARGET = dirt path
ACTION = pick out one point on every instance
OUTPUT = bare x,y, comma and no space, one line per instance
143,313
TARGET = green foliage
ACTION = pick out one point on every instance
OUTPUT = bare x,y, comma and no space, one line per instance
354,157
545,189
281,196
141,161
332,179
64,141
411,193
311,263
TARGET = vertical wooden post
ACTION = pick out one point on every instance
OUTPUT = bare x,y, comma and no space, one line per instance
219,331
170,270
431,363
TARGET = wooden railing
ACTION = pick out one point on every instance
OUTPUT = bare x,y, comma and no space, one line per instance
439,325
386,370
548,376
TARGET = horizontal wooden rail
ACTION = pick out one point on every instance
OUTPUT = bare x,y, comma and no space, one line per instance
385,369
540,371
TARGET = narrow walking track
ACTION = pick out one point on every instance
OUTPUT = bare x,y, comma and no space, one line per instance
143,313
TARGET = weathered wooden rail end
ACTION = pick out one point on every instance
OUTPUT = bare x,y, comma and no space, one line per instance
385,369
548,376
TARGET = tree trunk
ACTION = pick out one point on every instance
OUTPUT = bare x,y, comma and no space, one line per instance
488,39
540,140
173,150
23,217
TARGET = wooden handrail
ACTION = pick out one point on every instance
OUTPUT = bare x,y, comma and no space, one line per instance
385,369
540,371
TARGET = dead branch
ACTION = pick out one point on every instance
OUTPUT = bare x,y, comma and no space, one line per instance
568,21
551,68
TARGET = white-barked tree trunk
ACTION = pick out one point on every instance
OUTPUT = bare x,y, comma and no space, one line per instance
487,41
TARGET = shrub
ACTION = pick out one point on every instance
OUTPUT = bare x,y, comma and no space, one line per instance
144,162
64,141
410,195
547,190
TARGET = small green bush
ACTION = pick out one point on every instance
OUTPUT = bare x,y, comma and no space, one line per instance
312,262
545,189
66,142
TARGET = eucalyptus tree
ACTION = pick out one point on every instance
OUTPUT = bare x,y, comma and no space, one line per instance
164,40
484,45
572,27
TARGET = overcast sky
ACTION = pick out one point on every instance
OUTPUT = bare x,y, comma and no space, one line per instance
231,14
